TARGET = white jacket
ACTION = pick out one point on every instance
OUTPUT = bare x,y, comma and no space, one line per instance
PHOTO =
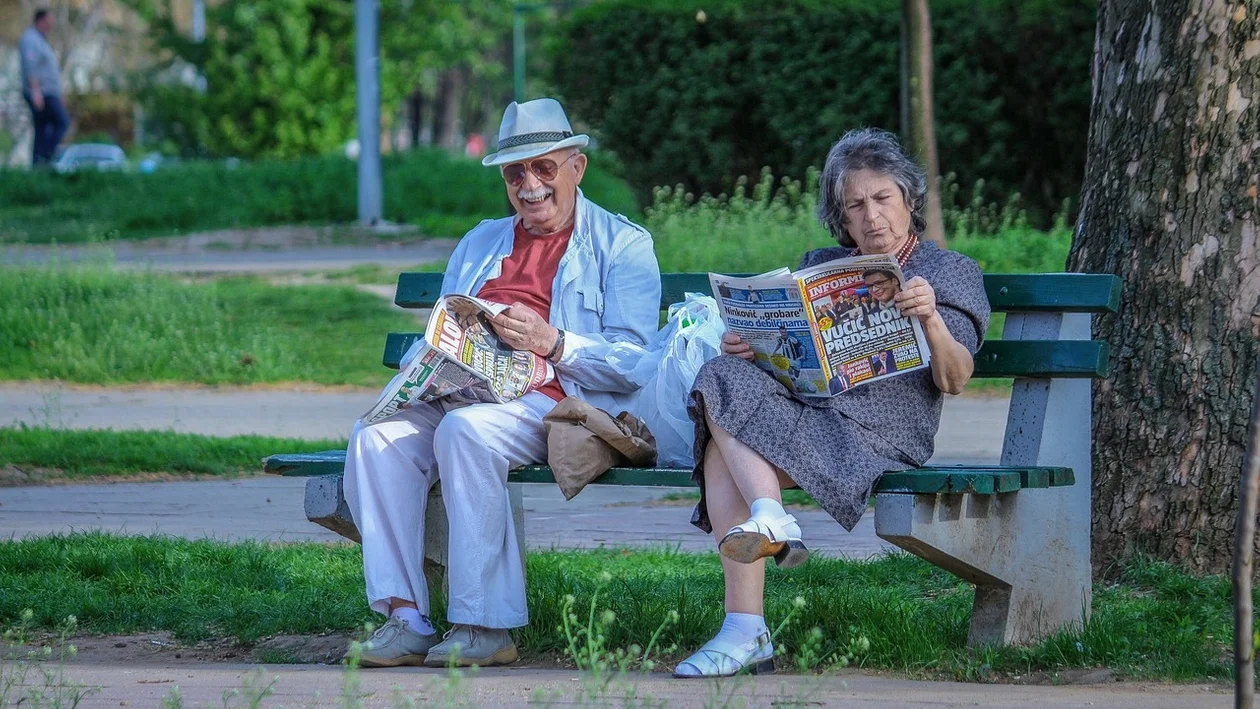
607,290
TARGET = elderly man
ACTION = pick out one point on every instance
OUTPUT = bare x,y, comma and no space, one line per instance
578,279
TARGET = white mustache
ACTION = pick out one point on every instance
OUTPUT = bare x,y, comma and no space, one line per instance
534,195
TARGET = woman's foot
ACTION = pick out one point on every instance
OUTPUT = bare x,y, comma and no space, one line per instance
770,531
743,645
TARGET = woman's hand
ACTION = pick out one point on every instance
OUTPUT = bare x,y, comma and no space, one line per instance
918,299
733,344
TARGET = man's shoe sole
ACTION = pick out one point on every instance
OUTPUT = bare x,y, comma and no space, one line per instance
506,656
404,660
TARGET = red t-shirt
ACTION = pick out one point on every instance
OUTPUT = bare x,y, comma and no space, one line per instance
527,276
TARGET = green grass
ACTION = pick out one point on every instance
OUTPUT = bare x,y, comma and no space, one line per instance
93,325
93,453
1156,621
441,194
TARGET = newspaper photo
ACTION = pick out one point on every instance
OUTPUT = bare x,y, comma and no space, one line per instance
461,357
826,329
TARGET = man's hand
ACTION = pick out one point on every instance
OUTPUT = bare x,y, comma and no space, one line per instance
524,329
917,299
37,98
733,344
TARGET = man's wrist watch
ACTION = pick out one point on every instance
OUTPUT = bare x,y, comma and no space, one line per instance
558,347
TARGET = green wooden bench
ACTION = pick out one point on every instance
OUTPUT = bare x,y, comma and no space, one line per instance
1019,530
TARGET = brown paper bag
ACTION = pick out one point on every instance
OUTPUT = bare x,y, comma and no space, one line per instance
583,442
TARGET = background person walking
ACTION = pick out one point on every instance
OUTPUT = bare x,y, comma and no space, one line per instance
41,87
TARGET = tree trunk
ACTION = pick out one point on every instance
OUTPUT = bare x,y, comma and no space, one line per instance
446,126
917,124
415,115
1170,205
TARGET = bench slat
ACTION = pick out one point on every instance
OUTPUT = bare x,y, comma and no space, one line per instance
1035,292
1071,359
971,479
1053,292
1064,359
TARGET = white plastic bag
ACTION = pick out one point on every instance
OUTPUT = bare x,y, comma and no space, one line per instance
665,372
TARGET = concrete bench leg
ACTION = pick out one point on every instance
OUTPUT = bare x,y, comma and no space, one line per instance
326,506
1027,552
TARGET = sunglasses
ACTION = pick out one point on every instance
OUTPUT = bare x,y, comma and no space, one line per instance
544,169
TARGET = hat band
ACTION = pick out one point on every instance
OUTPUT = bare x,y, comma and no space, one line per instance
554,136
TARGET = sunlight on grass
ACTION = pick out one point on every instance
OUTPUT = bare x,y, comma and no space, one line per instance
92,325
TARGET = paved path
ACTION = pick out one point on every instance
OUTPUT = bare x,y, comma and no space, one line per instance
239,251
271,508
320,685
971,426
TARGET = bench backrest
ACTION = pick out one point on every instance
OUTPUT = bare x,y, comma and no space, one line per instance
1008,293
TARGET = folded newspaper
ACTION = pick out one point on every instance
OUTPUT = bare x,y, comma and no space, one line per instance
825,329
461,357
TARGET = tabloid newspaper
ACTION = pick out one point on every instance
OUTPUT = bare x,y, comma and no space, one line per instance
460,356
825,329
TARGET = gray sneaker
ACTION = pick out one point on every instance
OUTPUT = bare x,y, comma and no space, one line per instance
395,644
467,645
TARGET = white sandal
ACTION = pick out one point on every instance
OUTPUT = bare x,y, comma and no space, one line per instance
759,538
720,658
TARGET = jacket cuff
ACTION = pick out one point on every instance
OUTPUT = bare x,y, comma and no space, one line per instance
574,346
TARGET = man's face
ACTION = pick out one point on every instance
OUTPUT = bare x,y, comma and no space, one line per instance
882,287
543,190
45,24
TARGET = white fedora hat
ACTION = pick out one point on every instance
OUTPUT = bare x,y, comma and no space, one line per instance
531,129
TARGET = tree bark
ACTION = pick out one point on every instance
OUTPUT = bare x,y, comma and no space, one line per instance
917,123
1170,205
1244,557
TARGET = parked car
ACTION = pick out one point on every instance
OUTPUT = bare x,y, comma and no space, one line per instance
99,156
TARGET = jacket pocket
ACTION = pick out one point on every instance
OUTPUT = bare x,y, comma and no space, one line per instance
592,300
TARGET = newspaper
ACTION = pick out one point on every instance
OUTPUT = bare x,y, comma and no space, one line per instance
825,329
461,357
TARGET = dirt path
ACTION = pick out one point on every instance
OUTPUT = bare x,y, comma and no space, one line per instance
124,684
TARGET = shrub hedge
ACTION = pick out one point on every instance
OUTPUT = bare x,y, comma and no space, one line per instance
700,97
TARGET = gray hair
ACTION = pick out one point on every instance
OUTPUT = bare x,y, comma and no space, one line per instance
876,150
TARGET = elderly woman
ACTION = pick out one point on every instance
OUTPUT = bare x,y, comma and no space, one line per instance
754,438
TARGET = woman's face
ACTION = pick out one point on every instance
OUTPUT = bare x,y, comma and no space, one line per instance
876,216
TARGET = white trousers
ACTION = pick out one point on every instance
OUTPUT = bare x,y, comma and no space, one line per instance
390,467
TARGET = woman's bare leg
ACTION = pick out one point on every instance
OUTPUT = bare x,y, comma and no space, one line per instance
755,476
745,583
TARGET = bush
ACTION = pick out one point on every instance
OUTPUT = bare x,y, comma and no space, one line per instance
702,98
762,228
442,194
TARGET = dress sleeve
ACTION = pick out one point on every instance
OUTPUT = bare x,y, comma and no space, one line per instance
962,302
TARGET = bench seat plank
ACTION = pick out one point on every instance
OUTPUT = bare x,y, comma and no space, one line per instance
947,480
1041,292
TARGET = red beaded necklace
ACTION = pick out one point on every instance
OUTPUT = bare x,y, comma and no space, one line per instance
906,250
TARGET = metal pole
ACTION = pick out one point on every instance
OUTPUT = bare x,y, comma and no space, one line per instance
518,53
368,95
199,21
1244,550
